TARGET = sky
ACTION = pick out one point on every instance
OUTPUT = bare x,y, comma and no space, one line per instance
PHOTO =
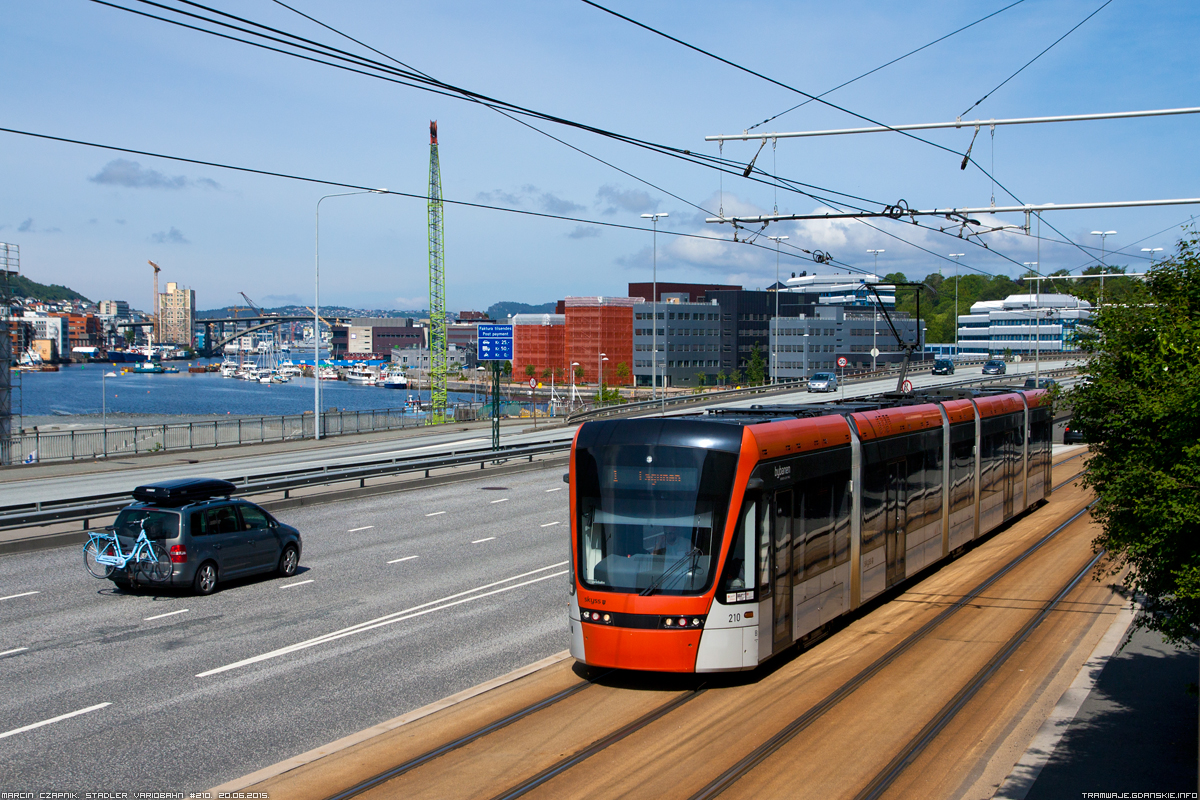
90,218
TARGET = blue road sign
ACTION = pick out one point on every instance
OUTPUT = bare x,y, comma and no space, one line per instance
495,342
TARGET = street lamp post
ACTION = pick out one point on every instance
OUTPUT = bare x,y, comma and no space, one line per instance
1037,319
1151,251
874,317
805,338
317,309
654,308
775,339
104,407
956,257
571,402
600,359
1103,235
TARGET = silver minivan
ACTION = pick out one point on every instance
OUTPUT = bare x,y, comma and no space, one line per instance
207,535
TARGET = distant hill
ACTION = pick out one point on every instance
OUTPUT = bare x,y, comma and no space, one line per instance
24,287
500,311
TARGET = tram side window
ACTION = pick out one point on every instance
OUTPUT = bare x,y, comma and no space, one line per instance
933,476
962,475
915,499
874,481
841,511
766,566
740,562
818,527
989,482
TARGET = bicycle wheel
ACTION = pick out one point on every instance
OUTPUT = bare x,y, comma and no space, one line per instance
97,547
154,564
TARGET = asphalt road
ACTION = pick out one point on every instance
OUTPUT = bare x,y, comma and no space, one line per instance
402,599
23,487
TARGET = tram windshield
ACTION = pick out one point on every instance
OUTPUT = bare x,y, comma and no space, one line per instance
650,518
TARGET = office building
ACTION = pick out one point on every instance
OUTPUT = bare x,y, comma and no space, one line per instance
1023,324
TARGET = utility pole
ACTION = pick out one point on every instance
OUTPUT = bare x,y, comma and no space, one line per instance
874,313
775,342
956,257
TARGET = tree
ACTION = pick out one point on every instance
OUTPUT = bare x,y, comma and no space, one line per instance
1140,411
721,378
547,373
700,378
622,372
579,373
530,369
756,369
735,377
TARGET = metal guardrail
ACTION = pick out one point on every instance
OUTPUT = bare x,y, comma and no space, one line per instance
85,508
89,444
624,409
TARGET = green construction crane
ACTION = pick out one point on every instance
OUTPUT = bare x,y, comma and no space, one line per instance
438,349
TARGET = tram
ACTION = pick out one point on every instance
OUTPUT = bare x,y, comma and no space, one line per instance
709,543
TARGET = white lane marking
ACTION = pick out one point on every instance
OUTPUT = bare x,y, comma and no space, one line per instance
488,539
22,594
548,524
59,718
557,489
501,500
10,652
398,616
406,558
300,583
435,513
363,528
168,614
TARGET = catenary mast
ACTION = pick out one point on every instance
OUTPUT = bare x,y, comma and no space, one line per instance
438,350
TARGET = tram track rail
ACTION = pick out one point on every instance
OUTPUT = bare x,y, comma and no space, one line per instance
747,764
917,745
776,742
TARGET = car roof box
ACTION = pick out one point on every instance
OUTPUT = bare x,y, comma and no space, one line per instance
182,491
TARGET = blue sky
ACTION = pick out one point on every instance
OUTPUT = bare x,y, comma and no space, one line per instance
90,218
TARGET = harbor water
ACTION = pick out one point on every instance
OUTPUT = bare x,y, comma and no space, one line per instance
76,390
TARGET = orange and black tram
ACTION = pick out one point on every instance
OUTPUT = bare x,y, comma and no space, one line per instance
710,542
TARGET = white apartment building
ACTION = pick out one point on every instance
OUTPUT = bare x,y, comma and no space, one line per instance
1023,324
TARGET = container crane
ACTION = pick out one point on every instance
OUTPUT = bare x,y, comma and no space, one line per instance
438,345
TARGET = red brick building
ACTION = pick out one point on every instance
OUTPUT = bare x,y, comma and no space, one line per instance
596,325
540,341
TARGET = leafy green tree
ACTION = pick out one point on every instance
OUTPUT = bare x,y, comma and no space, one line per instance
721,378
530,369
622,372
579,373
756,369
735,377
547,373
1140,411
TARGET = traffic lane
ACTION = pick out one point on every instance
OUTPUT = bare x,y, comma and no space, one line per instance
187,734
15,490
54,600
256,616
348,571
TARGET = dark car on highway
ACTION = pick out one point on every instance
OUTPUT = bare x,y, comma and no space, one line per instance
943,366
994,367
1040,383
1072,435
208,535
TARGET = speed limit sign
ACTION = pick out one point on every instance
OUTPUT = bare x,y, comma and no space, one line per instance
842,361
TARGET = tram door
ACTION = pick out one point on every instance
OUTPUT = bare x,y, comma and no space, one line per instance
781,542
895,519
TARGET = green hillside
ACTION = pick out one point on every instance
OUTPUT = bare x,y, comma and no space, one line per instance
20,286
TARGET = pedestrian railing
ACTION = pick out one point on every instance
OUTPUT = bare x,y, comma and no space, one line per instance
35,446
